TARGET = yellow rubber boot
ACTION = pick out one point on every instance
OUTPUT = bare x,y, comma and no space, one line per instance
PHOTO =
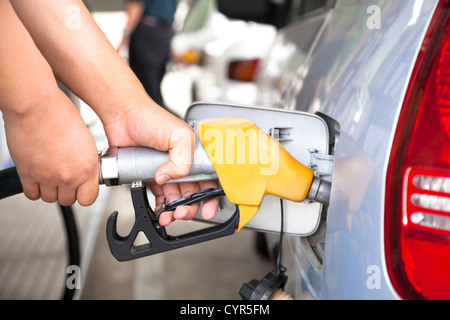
250,164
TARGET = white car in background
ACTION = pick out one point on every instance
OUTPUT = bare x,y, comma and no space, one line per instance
219,57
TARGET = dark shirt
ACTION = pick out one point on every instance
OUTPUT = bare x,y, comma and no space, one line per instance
161,9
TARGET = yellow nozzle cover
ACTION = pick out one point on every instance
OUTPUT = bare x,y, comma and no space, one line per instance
250,164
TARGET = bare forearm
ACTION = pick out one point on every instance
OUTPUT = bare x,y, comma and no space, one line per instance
25,76
80,55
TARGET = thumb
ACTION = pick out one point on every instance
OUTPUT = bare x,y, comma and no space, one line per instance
180,157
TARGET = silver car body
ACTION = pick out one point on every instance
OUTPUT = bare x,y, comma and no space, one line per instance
353,64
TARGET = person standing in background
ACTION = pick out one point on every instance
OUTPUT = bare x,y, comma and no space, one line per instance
148,34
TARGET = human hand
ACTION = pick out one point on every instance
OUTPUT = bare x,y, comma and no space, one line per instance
54,153
151,126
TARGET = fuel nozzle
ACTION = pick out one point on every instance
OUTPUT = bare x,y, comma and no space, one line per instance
247,161
248,164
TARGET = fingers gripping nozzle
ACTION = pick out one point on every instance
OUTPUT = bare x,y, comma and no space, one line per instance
126,165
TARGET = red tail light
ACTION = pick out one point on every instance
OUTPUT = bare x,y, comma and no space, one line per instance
243,70
417,239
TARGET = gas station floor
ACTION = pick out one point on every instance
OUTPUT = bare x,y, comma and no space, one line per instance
211,270
33,257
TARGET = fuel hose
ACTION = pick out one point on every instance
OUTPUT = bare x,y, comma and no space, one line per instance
10,185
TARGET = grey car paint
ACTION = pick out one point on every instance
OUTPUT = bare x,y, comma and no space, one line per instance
355,71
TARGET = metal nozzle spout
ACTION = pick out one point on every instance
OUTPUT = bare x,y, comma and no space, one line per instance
320,191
